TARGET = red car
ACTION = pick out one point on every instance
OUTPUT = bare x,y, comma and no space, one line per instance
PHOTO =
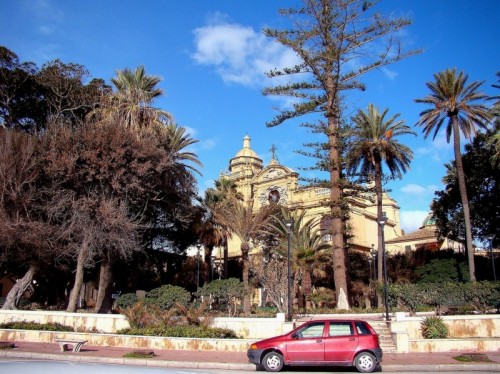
321,342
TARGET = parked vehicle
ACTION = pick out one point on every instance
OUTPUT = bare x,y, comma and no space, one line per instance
321,342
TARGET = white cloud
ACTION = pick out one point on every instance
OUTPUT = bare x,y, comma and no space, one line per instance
411,220
238,53
391,74
208,144
413,189
418,191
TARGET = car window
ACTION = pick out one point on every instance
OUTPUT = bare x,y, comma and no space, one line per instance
313,330
362,329
340,329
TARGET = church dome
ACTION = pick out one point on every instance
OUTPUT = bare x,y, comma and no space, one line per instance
246,151
429,220
246,156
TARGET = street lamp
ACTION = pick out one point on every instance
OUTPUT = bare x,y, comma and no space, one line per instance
198,266
490,238
289,224
382,221
373,260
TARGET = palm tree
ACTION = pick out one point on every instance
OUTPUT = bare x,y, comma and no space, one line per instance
308,250
372,144
131,103
453,99
495,138
247,225
225,189
176,140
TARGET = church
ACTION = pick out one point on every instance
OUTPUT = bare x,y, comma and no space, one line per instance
263,184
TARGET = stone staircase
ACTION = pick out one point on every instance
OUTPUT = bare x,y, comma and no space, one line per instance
384,335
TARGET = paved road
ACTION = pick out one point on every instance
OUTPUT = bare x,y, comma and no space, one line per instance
52,367
8,366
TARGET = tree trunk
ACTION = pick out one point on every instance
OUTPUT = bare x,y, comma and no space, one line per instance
104,301
380,252
226,258
246,284
208,260
17,291
339,257
465,201
75,291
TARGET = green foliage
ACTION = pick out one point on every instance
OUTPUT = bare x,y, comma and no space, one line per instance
185,331
24,325
406,295
483,187
223,292
443,270
126,300
139,354
480,295
434,328
166,297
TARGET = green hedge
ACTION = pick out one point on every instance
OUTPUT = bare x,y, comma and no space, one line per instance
23,325
482,296
165,297
182,332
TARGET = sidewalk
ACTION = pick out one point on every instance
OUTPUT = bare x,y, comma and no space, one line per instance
392,362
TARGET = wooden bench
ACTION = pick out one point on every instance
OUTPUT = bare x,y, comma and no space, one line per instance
77,344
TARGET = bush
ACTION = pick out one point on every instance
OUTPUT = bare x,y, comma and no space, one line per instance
126,300
165,297
24,325
141,315
223,293
434,328
185,331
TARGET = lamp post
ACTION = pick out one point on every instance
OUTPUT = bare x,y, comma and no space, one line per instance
490,238
382,221
198,267
373,260
289,225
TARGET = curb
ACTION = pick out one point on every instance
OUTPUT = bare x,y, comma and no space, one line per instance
459,367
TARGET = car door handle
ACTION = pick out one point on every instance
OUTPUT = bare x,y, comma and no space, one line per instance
352,339
319,341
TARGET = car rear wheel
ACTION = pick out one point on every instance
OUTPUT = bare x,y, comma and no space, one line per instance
273,361
365,362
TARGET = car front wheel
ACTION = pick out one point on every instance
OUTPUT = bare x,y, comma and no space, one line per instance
365,362
273,361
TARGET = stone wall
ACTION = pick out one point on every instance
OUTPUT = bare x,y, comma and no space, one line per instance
479,333
470,333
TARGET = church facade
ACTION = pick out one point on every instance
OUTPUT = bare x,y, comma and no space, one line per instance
275,183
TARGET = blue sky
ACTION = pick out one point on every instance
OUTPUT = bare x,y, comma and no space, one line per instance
212,56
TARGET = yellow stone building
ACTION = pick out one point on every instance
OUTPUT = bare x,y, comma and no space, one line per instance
278,183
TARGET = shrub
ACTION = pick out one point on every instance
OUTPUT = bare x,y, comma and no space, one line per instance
185,331
139,354
223,293
141,315
165,297
126,300
24,325
482,295
434,328
406,295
